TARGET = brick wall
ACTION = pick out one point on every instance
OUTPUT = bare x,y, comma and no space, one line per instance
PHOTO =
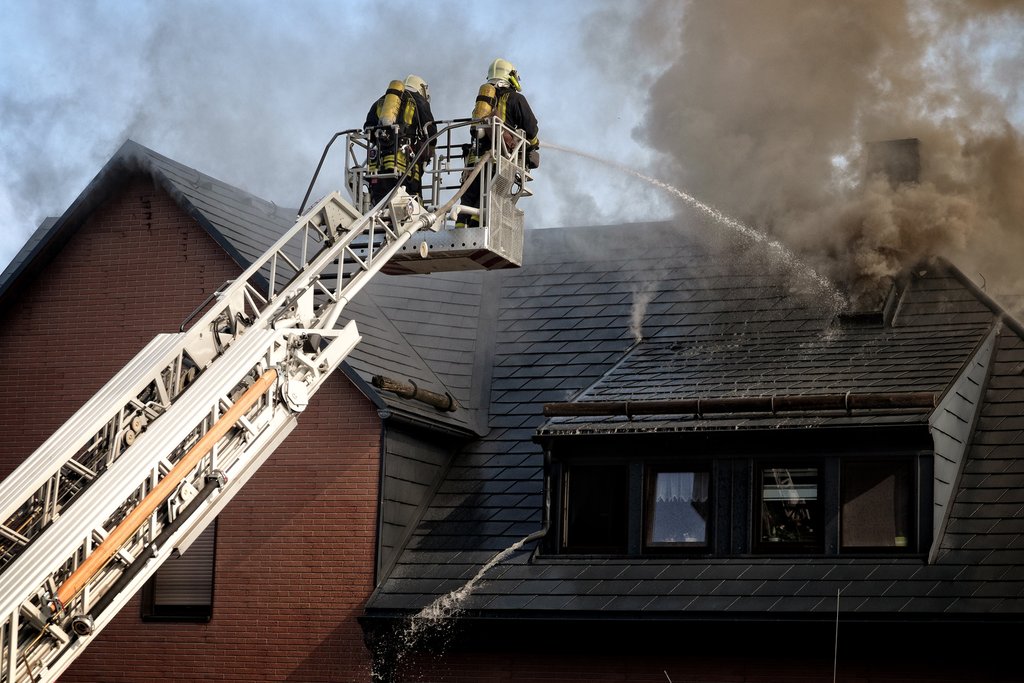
295,549
136,269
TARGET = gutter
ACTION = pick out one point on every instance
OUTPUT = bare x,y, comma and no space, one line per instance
746,404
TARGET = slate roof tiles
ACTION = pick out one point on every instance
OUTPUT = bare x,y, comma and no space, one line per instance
713,327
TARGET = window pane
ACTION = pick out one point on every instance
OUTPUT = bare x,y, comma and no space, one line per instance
876,503
789,505
596,508
677,508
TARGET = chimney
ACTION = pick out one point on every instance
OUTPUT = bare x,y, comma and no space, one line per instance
897,160
874,301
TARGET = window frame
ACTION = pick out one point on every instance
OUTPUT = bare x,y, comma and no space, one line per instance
913,530
782,547
650,474
151,610
635,510
732,458
566,542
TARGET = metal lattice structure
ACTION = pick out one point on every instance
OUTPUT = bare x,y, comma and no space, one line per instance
498,240
149,461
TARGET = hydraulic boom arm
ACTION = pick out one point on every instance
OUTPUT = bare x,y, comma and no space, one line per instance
144,466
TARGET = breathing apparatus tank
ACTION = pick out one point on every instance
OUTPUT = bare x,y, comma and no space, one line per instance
486,98
392,103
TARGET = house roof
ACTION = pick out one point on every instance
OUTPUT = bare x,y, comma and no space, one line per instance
715,319
722,321
245,226
857,361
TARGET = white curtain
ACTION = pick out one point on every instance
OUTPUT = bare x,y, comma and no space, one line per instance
686,487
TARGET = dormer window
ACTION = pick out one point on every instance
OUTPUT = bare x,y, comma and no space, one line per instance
838,492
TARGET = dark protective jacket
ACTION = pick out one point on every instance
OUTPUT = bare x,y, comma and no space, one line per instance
415,126
511,106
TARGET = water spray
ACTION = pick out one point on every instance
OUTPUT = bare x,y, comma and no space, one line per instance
440,615
839,301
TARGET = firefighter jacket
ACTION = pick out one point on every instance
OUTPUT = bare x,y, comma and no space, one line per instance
512,108
515,111
393,148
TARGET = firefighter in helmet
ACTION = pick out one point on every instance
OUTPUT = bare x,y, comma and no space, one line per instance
399,124
505,100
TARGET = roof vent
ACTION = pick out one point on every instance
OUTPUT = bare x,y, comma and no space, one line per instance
874,309
860,319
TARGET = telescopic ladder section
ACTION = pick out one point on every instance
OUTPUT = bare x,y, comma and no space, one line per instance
148,462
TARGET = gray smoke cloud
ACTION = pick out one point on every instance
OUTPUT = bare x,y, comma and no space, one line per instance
767,107
760,108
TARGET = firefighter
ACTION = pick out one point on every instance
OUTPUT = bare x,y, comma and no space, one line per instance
500,96
398,125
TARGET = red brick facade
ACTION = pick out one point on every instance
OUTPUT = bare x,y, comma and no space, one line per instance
295,549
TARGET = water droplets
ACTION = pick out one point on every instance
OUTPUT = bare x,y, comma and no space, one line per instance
435,622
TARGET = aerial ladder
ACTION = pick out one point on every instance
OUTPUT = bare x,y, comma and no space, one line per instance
137,474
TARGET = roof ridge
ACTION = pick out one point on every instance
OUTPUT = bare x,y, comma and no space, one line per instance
998,309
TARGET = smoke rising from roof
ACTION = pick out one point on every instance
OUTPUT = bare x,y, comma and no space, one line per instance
768,106
762,107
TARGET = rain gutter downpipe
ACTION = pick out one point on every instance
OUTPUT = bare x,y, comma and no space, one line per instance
546,510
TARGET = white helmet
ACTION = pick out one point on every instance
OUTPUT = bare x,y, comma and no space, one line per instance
503,70
416,83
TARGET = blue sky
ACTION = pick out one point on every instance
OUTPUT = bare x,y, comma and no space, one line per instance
251,91
746,104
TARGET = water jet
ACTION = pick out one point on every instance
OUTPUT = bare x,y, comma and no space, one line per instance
774,247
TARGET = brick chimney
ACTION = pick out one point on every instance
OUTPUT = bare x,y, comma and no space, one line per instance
897,160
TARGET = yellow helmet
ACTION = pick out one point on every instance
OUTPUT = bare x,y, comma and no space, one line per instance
414,82
503,70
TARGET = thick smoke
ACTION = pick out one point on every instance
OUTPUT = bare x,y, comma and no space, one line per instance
768,107
763,108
